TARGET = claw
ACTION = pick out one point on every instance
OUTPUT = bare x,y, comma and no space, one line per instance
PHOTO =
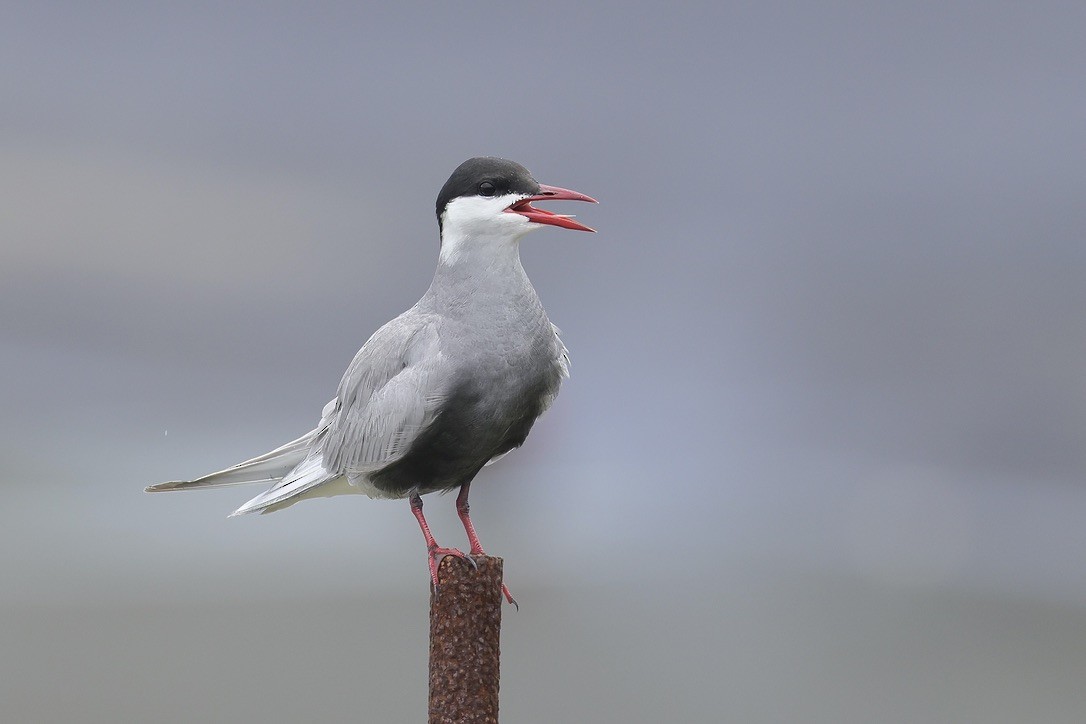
436,554
462,510
509,597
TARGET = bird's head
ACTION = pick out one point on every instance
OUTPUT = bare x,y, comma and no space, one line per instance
489,200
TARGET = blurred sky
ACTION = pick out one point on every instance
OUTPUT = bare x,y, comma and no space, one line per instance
832,322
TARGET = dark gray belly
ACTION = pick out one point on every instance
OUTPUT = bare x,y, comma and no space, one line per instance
476,424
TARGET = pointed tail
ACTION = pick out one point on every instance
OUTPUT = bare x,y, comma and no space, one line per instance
267,468
306,480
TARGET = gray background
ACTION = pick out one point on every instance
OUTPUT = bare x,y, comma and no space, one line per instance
821,458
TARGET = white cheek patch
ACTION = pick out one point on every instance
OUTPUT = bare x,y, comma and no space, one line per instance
478,223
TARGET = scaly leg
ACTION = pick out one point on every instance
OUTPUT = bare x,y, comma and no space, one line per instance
435,553
462,508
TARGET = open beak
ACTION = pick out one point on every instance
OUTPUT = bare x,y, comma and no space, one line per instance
551,193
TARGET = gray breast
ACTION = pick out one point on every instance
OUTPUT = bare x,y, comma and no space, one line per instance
498,392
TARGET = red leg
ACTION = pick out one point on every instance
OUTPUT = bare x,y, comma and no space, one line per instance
462,509
435,553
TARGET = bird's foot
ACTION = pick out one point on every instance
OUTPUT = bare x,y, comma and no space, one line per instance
462,509
477,550
509,597
436,553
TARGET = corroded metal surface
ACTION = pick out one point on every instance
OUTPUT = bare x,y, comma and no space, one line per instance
465,626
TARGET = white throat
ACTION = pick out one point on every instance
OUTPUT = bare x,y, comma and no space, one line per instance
477,229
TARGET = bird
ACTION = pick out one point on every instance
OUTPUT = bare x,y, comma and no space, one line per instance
449,386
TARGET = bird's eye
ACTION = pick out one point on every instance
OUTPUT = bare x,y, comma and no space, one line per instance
486,189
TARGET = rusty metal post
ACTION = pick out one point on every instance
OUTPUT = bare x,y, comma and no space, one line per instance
465,624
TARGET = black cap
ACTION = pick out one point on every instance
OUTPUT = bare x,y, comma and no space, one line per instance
486,176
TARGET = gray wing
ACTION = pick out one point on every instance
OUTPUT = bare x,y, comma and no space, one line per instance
386,397
390,393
